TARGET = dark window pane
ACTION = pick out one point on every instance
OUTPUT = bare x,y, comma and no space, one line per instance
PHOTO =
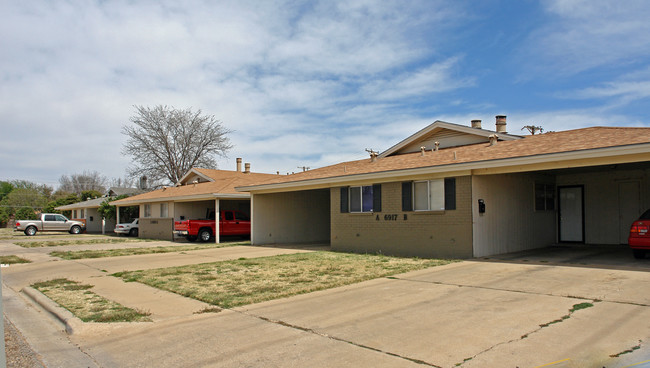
407,196
376,198
367,198
450,193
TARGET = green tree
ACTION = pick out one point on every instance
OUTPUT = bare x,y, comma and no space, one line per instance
107,210
5,188
90,194
61,201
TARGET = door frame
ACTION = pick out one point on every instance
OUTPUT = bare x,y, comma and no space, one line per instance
559,213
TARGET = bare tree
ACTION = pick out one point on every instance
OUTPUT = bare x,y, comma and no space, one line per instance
77,183
165,142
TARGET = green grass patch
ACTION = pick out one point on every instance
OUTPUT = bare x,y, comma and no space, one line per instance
251,280
58,243
13,260
100,253
86,305
576,307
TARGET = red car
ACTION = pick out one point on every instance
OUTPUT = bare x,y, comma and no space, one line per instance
639,239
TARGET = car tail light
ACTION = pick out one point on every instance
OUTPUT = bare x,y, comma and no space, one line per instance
640,229
17,223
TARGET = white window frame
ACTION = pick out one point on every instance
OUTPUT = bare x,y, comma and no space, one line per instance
435,195
360,188
164,210
147,210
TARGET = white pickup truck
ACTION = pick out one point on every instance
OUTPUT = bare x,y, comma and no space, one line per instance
49,222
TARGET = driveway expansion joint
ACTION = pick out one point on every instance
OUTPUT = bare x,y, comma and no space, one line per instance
311,331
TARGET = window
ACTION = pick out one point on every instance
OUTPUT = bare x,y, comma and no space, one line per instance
164,209
49,218
429,195
83,213
544,197
365,198
74,214
229,216
147,210
240,216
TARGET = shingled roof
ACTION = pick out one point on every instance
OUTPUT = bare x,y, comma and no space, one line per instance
222,184
482,154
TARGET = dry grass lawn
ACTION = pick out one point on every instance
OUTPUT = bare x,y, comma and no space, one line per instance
58,243
86,305
13,260
245,281
100,253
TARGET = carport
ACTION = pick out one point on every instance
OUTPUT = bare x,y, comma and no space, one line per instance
291,217
198,194
580,205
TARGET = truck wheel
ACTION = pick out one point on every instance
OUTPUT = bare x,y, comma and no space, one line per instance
638,253
191,238
75,230
133,232
30,231
205,235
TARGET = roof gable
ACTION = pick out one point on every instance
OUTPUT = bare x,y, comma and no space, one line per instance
194,176
447,135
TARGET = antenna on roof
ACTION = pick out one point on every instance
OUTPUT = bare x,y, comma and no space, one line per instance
373,154
304,168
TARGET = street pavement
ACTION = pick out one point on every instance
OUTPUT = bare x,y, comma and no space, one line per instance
511,311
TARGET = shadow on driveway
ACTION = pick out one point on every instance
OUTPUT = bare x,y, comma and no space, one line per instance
616,257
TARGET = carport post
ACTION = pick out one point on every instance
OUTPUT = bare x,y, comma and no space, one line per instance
117,215
217,217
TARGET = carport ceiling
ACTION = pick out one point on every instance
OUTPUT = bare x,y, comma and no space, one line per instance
590,169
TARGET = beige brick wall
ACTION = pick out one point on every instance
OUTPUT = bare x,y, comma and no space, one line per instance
156,228
446,234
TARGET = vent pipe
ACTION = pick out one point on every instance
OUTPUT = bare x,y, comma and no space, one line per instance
493,139
238,164
501,124
476,124
436,146
422,150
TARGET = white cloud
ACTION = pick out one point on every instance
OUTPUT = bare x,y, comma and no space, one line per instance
585,34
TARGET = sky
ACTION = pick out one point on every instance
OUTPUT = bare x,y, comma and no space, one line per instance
308,83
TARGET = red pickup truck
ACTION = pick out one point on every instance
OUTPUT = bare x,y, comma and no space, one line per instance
230,223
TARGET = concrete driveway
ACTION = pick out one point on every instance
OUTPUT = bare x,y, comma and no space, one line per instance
507,311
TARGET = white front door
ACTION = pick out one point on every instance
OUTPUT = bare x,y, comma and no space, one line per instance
571,215
628,208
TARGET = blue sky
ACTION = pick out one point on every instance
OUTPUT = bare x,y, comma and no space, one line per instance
308,83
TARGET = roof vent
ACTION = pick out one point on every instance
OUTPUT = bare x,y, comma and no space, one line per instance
247,168
436,146
422,150
493,139
476,124
238,164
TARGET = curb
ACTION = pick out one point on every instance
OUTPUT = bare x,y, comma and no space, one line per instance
71,323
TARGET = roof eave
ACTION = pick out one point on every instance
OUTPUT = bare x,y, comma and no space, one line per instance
604,152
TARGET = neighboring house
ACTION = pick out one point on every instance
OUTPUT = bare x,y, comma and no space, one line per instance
87,211
459,191
198,192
